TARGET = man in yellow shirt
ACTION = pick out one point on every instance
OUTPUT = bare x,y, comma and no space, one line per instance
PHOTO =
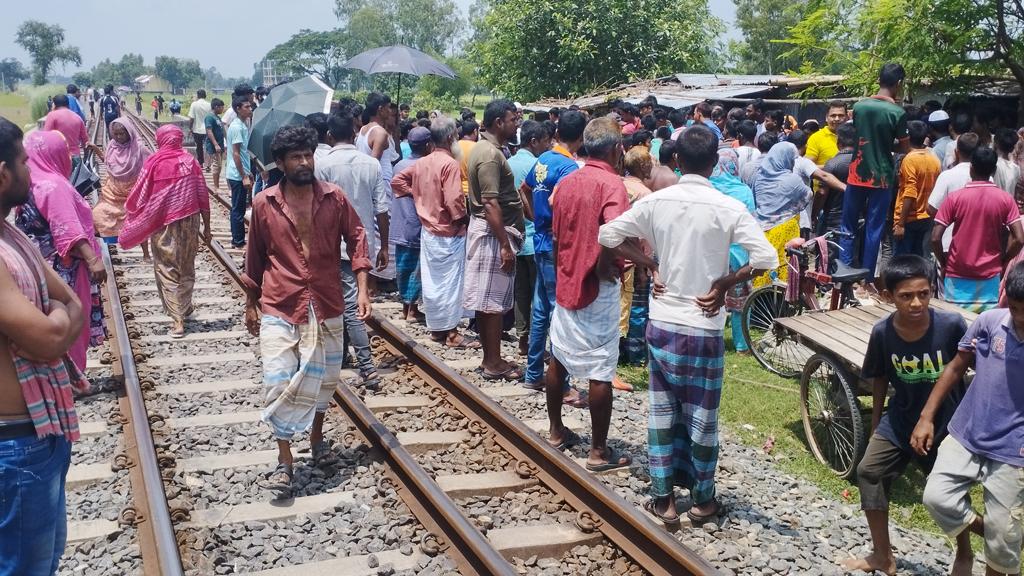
823,144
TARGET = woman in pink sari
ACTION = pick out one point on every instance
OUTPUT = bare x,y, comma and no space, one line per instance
165,207
59,221
124,157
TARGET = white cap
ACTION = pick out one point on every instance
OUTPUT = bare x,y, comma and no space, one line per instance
518,105
938,116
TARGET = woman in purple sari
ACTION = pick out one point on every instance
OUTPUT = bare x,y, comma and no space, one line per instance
59,222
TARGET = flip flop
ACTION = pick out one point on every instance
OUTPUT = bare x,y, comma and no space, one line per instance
612,463
465,343
513,373
582,400
569,439
535,386
650,508
699,519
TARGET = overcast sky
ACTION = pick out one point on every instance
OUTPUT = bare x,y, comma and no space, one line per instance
197,29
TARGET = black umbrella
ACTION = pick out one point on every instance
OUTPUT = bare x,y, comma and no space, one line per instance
286,105
399,59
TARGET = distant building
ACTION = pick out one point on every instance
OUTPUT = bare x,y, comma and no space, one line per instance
267,73
151,83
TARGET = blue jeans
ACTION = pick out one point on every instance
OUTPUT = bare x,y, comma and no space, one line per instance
239,202
877,201
915,234
355,329
540,316
33,520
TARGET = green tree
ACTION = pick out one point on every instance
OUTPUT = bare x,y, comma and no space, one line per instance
319,54
11,72
451,88
428,25
179,73
82,79
45,45
563,48
944,43
764,23
120,73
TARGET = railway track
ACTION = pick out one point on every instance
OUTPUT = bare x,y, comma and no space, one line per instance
435,477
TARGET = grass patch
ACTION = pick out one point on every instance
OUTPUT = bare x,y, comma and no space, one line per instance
15,107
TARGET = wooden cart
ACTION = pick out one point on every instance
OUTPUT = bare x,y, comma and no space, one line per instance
830,384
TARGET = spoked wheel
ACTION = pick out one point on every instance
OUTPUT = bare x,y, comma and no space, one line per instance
831,414
775,348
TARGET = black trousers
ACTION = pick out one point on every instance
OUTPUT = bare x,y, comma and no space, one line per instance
200,140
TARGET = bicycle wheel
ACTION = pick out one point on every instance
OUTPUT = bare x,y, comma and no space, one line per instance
831,415
775,348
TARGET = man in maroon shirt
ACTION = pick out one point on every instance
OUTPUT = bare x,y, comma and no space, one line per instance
298,293
585,323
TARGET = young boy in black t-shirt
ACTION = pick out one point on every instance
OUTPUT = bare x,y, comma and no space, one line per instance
908,350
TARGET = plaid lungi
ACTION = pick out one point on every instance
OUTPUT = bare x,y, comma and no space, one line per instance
488,288
586,341
686,366
407,269
636,343
301,369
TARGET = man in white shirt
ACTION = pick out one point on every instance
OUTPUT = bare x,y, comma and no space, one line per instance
690,226
198,112
953,179
359,177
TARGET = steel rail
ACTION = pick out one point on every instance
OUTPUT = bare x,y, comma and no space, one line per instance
156,517
648,544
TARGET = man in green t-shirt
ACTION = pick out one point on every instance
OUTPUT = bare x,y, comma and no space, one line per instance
881,130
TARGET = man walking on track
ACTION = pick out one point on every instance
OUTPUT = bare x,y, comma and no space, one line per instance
302,223
239,174
585,321
110,106
435,183
690,226
40,319
198,111
495,236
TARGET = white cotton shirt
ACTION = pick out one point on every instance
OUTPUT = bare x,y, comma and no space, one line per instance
198,112
358,176
1006,176
690,225
949,181
805,169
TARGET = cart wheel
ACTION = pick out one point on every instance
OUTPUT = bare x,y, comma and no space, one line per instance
831,414
775,348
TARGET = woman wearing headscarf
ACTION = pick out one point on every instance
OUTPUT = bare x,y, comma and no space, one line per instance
165,206
124,157
726,179
779,196
59,222
635,282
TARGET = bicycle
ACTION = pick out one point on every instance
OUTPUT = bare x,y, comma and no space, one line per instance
828,285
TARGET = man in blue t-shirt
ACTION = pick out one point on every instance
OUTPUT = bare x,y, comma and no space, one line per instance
549,170
986,436
908,350
239,175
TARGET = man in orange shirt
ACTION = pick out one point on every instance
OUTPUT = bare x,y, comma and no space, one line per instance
911,223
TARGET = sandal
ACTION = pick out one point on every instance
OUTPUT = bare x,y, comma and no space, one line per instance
578,400
614,461
323,456
513,373
699,519
464,343
371,379
651,509
569,439
620,384
535,386
280,481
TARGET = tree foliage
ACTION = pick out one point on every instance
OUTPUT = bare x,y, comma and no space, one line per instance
12,71
319,54
944,43
120,73
763,23
427,25
45,45
563,48
179,72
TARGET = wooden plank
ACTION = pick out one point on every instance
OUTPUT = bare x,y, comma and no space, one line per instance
812,336
844,326
969,316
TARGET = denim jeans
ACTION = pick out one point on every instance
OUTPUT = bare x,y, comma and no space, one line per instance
239,202
355,329
915,234
877,201
33,520
540,316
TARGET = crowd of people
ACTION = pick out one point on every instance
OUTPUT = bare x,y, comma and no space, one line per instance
633,235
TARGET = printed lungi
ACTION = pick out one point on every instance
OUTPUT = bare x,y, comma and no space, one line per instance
586,341
174,249
442,265
407,272
686,367
301,369
969,294
488,288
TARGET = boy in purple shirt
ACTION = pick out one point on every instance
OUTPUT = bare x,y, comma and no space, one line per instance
986,436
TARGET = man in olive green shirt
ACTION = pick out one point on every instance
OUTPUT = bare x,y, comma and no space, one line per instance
494,237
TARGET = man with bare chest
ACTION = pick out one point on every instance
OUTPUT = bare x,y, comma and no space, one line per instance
39,321
295,301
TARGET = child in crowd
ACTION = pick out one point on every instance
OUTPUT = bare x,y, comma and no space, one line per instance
908,350
986,436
